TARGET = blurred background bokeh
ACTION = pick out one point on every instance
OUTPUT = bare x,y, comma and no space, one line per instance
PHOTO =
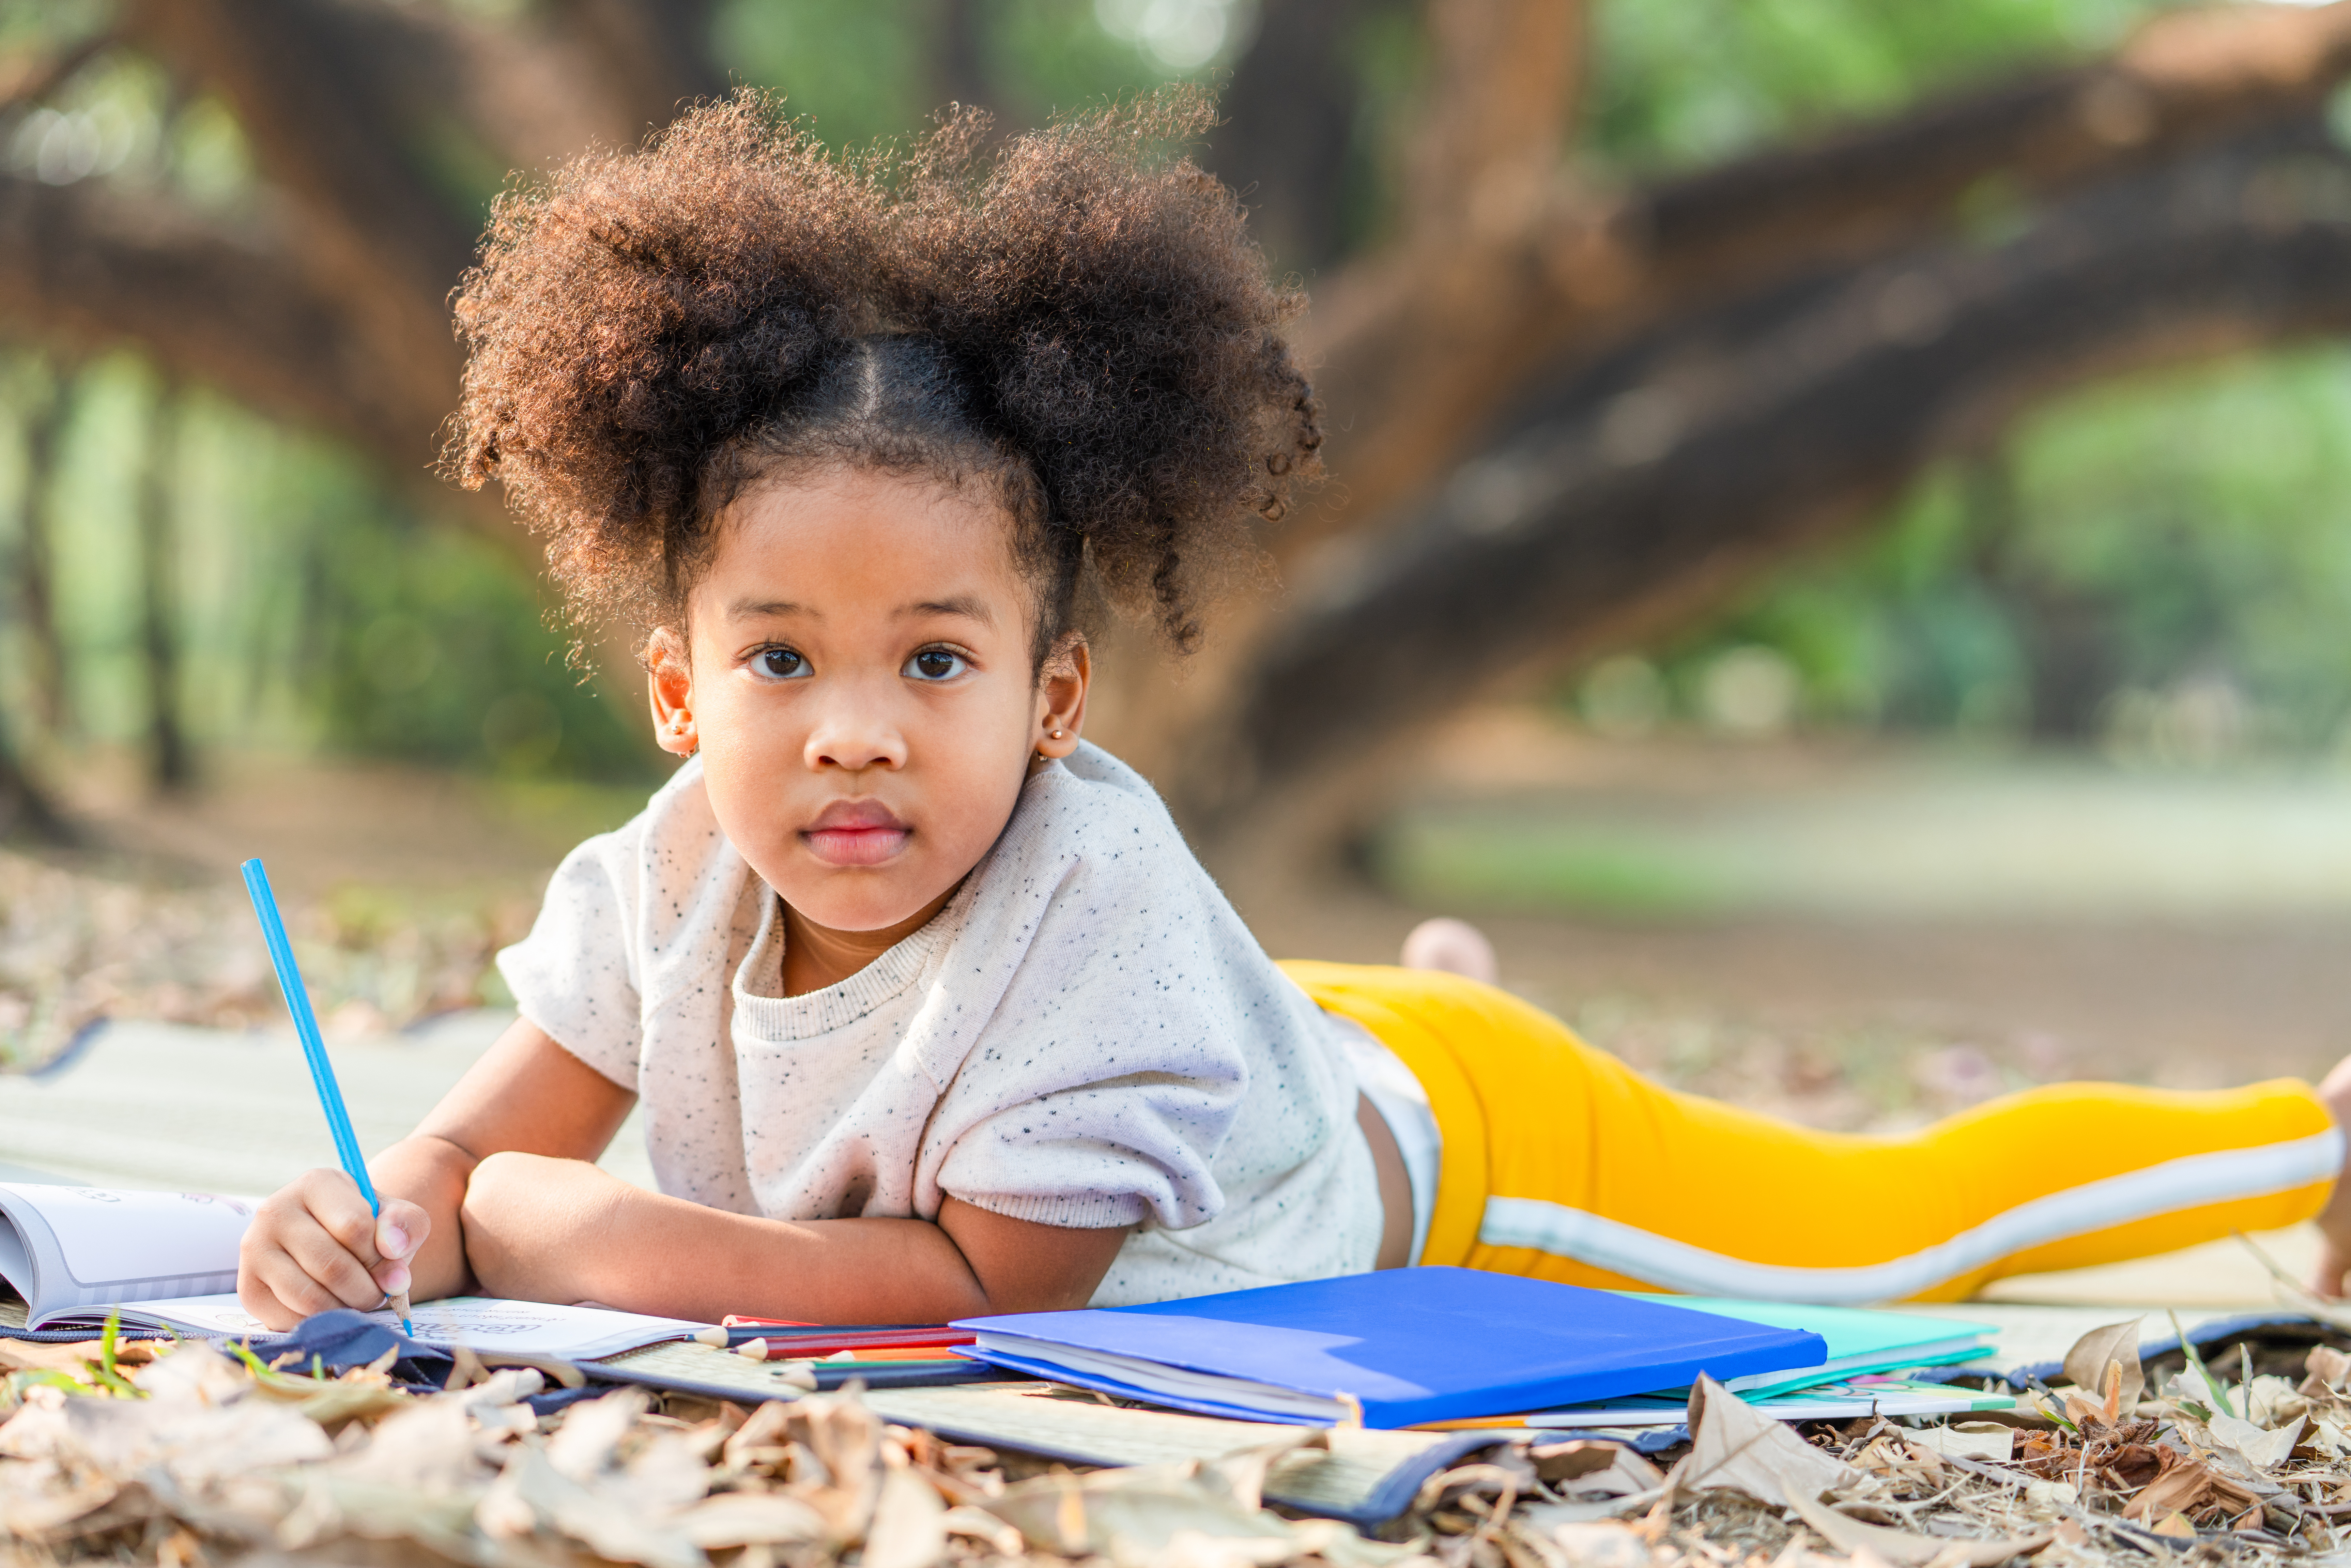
1838,550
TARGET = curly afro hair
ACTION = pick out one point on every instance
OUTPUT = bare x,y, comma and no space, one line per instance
1079,320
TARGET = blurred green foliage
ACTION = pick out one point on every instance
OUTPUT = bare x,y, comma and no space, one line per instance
860,71
1692,82
312,609
2160,566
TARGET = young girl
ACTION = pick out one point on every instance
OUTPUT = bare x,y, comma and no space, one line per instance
929,1009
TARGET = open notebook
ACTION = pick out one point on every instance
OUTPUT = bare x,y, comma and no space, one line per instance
64,1249
167,1260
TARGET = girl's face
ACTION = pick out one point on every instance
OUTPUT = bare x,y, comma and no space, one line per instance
857,676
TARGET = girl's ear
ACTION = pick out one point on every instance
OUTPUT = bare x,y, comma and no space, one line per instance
670,684
1061,683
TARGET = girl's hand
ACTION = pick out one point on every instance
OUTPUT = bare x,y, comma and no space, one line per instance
313,1246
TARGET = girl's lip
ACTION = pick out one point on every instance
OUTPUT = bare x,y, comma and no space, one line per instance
853,846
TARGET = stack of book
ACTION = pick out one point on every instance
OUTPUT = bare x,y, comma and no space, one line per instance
1447,1346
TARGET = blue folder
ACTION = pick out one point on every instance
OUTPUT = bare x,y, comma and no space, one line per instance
1409,1344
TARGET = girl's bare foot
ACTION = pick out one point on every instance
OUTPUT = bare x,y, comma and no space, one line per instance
1455,947
2335,1219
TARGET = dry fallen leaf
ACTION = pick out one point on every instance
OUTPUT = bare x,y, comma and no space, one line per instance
909,1528
2188,1486
37,1498
425,1450
2094,1352
2262,1449
1968,1440
1906,1547
1604,1545
746,1519
1062,1514
1594,1468
1734,1444
532,1487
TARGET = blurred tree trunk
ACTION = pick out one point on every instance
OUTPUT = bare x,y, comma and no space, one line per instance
2071,658
1290,124
169,764
957,60
42,415
26,813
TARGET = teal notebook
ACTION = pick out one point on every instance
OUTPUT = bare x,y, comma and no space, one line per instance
1859,1341
1829,1402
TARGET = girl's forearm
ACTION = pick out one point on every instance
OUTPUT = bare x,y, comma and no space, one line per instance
431,1173
702,1263
557,1230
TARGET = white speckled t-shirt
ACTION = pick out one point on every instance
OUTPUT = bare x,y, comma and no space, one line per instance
1086,1035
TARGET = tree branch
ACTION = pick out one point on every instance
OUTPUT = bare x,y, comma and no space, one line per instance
2188,79
91,269
1422,347
1631,495
338,97
307,81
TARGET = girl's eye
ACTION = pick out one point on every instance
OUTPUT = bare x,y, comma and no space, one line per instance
934,664
780,663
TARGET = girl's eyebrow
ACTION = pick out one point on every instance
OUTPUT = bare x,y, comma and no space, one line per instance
756,609
970,606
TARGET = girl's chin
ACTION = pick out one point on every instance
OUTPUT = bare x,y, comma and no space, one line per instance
852,899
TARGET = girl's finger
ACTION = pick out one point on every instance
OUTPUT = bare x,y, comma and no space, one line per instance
400,1230
289,1294
331,1265
331,1201
261,1300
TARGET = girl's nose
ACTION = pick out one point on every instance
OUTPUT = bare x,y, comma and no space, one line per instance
855,736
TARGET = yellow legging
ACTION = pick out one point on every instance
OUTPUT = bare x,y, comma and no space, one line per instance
1561,1162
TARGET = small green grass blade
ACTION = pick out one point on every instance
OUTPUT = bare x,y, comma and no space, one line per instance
2220,1393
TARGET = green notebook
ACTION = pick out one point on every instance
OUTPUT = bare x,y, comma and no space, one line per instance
1860,1341
1830,1402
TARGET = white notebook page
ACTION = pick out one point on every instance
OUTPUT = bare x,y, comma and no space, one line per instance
480,1323
107,1236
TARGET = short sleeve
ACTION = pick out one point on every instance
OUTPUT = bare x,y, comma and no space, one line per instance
1113,1152
572,976
1106,1081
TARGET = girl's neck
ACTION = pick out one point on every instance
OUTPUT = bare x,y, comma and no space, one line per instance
816,956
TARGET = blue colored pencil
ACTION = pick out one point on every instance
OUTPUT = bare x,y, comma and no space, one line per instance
314,1049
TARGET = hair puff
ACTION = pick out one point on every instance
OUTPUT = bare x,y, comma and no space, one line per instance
638,317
